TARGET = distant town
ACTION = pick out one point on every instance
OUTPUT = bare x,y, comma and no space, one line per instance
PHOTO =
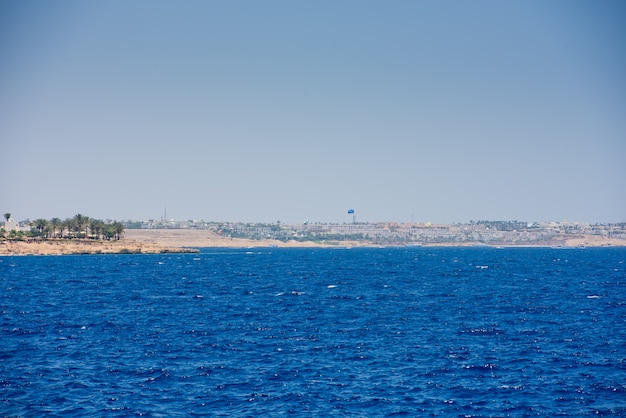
374,233
390,233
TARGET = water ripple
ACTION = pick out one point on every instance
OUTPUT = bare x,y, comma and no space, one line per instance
384,332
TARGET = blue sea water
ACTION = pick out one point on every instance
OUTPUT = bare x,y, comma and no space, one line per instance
316,332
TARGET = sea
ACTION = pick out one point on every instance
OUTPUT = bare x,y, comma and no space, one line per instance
415,331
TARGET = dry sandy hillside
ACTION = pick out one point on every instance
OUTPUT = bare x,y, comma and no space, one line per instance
201,238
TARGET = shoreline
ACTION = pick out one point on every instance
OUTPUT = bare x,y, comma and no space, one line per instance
161,241
85,247
209,239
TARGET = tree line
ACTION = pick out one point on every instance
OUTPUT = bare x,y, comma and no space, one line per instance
78,226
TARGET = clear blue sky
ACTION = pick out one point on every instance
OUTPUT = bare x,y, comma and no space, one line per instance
440,111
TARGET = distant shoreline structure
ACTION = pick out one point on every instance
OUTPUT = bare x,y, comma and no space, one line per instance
169,237
190,241
210,239
495,233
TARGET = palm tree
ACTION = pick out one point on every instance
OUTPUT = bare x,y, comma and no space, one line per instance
68,224
56,224
86,225
81,223
42,226
118,228
108,232
96,226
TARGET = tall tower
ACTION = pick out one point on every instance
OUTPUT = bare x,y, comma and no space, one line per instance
351,212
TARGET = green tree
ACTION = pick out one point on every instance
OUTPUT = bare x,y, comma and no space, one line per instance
82,223
56,225
41,225
19,235
118,228
7,216
68,224
108,232
96,227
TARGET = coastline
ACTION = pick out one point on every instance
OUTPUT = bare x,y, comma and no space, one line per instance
209,239
75,247
159,241
197,238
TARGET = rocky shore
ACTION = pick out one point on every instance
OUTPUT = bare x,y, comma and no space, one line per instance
65,247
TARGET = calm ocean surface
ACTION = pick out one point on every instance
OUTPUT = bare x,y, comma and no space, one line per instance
334,332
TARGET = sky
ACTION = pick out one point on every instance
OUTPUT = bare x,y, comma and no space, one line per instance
426,111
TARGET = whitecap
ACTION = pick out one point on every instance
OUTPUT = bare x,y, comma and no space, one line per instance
512,387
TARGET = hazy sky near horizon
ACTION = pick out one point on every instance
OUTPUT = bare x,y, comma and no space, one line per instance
440,111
